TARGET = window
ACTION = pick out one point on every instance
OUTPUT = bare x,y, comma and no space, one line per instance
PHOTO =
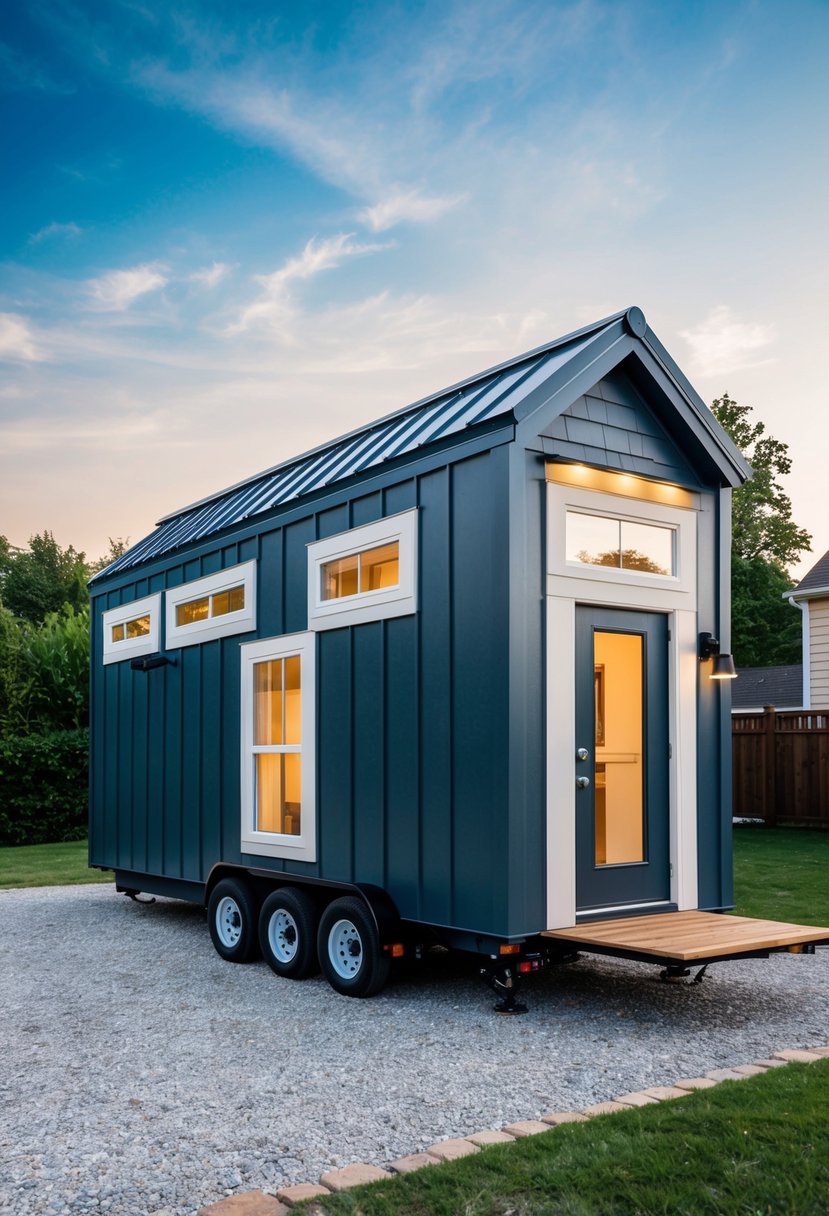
212,607
278,776
622,544
132,629
365,574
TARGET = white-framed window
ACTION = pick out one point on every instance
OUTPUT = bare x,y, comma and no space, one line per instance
132,629
366,574
215,606
278,747
643,547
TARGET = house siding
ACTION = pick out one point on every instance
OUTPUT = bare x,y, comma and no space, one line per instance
819,653
412,712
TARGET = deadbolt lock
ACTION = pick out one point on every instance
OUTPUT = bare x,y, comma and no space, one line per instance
582,782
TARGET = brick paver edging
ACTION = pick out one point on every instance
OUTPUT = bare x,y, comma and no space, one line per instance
257,1203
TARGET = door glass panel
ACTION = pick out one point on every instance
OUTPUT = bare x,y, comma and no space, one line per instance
619,733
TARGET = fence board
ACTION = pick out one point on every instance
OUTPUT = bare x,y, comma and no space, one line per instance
780,764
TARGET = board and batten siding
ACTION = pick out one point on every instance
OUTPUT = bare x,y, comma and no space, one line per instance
412,712
819,653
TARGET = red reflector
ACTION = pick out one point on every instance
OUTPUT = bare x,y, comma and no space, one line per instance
397,950
506,948
528,965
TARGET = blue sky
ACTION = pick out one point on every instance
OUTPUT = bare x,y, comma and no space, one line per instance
231,232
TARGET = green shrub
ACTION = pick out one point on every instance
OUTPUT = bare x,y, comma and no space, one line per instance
43,787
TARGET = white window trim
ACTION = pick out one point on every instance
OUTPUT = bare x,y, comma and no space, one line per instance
364,606
131,648
274,844
243,621
664,591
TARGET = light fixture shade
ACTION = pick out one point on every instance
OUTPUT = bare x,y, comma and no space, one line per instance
724,668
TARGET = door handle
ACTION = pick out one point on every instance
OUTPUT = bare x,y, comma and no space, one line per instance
582,782
582,754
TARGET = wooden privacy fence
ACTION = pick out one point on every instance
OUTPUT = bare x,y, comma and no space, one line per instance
781,766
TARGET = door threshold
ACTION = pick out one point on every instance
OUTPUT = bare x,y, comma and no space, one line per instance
618,910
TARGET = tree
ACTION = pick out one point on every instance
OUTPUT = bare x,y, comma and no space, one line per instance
42,579
761,511
765,543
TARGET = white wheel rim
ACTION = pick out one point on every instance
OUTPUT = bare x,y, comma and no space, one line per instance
345,949
228,922
283,936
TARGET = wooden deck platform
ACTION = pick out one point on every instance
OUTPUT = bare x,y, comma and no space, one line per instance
674,938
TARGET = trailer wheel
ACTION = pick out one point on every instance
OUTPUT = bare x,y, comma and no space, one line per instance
231,918
288,933
349,949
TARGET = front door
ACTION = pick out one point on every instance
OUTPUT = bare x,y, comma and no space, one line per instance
621,764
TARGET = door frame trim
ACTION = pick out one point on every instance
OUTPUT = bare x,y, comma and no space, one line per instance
561,750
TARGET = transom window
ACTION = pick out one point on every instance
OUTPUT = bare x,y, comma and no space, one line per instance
215,606
278,812
622,544
132,629
366,574
361,572
138,627
207,606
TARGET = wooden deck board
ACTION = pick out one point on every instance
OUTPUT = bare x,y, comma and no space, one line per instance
685,936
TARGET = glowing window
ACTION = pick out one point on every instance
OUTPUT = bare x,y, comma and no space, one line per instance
215,606
366,574
132,629
278,747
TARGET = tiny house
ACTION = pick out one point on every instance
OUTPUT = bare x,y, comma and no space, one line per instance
439,680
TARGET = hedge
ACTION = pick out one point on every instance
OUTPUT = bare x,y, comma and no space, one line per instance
44,787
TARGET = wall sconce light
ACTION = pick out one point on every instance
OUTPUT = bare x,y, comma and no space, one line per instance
709,648
151,662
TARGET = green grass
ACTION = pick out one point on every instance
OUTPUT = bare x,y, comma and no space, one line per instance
782,874
747,1148
48,865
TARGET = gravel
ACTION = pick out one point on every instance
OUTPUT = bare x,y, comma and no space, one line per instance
142,1074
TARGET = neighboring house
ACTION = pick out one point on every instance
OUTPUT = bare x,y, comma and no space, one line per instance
811,596
757,687
462,661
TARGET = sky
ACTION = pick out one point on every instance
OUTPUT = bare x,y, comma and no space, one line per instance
232,231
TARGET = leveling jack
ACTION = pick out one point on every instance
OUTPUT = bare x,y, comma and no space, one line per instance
674,973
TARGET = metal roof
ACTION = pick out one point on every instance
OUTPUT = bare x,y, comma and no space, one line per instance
498,392
452,412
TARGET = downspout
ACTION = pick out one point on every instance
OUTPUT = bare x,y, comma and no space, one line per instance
803,605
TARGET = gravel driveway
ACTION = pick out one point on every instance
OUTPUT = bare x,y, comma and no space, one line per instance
142,1074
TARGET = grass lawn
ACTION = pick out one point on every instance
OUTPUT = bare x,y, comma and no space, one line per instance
782,874
746,1148
48,865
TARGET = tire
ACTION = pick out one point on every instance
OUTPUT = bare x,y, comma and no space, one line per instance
288,925
349,949
231,918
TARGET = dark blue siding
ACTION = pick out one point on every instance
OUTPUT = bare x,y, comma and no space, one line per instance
613,427
412,714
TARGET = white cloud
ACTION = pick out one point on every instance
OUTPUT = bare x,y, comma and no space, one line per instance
120,288
54,230
408,206
17,340
211,276
722,343
274,303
